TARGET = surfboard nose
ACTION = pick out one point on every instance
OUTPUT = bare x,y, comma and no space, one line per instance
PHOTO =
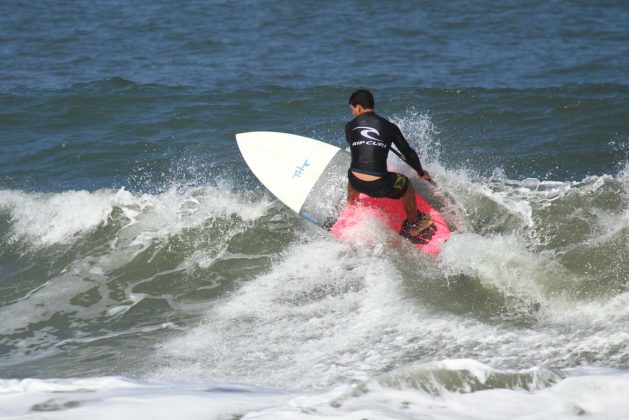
288,165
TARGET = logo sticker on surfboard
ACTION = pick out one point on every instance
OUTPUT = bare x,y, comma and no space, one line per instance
299,170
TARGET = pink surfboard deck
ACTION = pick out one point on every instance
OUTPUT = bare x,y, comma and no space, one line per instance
392,213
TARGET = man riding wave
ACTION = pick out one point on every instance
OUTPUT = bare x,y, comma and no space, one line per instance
370,138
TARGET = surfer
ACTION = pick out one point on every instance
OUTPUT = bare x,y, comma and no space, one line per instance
370,137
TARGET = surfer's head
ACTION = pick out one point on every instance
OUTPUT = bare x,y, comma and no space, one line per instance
361,101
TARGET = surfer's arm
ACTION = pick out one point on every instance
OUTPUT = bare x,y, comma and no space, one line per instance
347,134
411,156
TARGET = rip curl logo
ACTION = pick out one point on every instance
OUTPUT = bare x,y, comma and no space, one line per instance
299,171
367,132
370,143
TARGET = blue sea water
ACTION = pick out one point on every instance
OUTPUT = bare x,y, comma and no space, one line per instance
141,261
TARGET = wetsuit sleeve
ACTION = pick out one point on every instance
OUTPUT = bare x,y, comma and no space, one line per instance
347,134
408,152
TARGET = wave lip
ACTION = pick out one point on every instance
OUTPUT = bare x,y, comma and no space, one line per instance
466,376
52,218
45,219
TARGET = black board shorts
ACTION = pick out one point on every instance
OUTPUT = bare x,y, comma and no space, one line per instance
391,185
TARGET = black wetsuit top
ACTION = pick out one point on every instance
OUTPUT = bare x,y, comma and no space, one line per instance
370,137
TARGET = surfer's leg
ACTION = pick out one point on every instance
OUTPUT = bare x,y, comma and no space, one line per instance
416,221
410,204
352,195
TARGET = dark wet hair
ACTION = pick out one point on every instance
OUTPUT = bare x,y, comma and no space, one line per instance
362,97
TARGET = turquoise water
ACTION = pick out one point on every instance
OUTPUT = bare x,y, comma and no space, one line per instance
140,258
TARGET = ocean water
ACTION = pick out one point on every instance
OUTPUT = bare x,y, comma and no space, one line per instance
144,271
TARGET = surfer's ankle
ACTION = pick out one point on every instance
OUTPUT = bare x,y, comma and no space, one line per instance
415,218
414,222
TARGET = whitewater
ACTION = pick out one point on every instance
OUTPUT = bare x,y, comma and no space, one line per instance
225,303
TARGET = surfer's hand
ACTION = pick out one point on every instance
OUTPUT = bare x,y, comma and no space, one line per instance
426,176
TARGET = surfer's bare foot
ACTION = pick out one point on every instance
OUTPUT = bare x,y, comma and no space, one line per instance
420,231
422,222
419,226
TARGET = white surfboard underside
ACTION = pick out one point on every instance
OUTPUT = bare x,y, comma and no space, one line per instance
286,164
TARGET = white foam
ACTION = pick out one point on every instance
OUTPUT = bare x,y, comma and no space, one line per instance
60,218
597,395
119,398
329,313
52,218
306,323
504,263
421,134
623,177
